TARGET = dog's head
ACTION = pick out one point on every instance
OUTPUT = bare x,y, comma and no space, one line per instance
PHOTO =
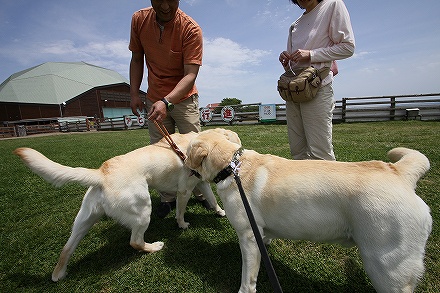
211,151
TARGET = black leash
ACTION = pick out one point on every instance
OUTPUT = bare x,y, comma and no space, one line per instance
267,263
233,168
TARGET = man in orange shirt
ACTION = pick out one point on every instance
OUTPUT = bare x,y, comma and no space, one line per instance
171,44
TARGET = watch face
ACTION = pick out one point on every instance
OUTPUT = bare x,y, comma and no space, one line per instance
169,105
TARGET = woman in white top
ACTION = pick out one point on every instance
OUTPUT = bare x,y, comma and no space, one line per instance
322,34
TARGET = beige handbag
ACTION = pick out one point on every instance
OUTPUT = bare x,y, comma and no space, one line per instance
302,85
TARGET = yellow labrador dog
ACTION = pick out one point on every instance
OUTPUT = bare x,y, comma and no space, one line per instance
369,204
119,188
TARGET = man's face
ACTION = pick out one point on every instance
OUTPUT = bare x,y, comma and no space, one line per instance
165,9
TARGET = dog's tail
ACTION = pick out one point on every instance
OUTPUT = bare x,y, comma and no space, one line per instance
411,164
55,173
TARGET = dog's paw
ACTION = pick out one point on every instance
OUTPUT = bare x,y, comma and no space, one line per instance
220,212
57,276
148,247
156,246
183,225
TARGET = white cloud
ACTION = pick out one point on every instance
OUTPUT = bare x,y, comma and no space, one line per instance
229,70
115,48
112,54
62,47
361,54
191,2
227,54
272,13
110,49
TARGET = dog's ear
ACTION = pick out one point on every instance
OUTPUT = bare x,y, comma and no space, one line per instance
229,134
195,154
232,136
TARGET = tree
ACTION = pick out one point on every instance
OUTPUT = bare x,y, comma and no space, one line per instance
230,101
227,102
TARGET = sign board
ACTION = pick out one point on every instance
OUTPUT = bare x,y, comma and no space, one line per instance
268,113
141,121
227,113
205,115
128,121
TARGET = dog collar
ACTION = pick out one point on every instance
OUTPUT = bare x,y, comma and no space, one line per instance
195,173
230,169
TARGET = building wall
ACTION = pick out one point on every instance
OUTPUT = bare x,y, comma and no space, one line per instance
17,111
88,104
91,103
9,111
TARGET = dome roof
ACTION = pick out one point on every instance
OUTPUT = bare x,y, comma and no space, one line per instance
56,82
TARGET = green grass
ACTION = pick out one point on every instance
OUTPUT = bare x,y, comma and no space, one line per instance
36,219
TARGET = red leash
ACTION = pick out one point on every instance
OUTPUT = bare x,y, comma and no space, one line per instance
170,141
173,145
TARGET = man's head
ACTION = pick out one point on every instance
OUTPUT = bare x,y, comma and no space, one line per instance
165,9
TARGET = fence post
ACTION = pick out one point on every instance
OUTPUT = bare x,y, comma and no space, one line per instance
344,108
393,108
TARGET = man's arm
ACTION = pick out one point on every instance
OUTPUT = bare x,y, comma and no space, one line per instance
185,84
136,76
158,111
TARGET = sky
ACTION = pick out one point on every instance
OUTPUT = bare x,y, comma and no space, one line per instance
397,43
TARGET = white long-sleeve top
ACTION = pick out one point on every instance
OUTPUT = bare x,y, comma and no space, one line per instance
326,31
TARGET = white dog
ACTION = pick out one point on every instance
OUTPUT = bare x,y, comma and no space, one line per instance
369,204
119,188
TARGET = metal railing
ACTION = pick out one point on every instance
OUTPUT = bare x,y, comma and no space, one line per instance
355,109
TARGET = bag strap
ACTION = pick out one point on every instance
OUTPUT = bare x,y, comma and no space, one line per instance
323,72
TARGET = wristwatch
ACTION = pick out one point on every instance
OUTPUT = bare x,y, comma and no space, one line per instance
169,105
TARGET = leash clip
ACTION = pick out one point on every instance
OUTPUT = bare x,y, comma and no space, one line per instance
235,167
235,162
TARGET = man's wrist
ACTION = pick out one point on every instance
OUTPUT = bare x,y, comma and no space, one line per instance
168,104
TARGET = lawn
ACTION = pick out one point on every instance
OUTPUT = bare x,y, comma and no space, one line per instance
36,219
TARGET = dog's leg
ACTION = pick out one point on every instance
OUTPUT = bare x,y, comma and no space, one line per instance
137,218
206,190
251,258
89,214
137,240
393,257
181,203
393,269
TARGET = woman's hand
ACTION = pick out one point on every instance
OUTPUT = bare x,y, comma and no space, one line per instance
297,56
300,56
284,58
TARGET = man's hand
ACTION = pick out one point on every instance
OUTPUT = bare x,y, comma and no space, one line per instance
158,111
135,104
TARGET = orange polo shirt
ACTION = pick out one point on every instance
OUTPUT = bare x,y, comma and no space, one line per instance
166,49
